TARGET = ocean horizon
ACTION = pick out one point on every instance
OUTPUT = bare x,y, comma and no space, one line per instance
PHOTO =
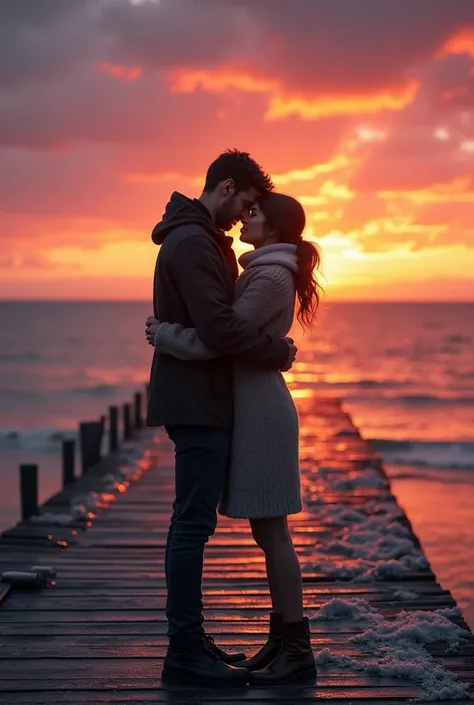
325,302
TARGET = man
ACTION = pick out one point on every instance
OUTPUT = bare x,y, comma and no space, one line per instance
194,285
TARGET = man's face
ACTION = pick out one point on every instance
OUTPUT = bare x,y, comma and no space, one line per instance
233,207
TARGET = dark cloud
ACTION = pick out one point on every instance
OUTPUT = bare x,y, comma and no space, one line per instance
53,91
41,40
95,108
143,117
328,46
173,33
313,45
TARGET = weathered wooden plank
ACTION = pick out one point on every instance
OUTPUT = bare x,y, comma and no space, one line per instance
239,615
131,586
253,605
238,574
222,696
227,697
223,587
142,667
123,615
154,647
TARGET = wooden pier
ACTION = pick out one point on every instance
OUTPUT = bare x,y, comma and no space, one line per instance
98,635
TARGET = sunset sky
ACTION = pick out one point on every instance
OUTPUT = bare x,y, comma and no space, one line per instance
362,109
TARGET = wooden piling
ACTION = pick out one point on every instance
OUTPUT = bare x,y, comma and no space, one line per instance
90,434
69,454
113,428
127,422
28,490
90,445
138,420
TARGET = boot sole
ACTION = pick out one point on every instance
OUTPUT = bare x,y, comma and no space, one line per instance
309,674
173,677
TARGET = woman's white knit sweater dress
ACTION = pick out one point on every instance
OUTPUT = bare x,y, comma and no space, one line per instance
263,478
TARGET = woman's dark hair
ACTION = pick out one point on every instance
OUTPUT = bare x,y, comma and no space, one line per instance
241,168
286,217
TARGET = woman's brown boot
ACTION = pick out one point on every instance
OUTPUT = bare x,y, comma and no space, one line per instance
295,659
268,652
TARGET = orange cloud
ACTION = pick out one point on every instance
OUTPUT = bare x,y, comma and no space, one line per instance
456,191
339,162
325,106
460,43
336,191
284,103
121,73
218,81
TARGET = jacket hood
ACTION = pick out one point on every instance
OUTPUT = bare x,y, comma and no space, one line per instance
182,210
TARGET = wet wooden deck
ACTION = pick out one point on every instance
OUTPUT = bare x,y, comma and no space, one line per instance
98,635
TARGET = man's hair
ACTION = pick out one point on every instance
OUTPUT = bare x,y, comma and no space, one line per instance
241,168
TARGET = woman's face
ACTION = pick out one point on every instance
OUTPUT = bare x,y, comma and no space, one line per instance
254,229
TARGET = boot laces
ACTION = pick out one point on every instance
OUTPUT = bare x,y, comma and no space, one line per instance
210,646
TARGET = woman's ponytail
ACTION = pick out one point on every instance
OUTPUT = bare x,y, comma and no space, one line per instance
307,287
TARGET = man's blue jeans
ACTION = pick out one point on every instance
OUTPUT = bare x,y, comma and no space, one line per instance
202,460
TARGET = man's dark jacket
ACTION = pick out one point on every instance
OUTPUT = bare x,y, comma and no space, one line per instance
194,285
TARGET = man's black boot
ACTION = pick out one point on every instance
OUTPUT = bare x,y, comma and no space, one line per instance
220,653
269,650
199,666
294,661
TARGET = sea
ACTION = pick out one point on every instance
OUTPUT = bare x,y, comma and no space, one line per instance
405,372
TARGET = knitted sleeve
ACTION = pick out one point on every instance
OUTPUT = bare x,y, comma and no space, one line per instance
184,343
261,300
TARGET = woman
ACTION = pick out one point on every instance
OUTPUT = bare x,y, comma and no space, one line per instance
264,483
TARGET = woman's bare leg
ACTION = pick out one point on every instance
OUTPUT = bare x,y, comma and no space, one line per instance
283,568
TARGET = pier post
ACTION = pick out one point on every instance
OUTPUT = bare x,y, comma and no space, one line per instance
138,421
113,428
127,422
28,491
90,434
69,453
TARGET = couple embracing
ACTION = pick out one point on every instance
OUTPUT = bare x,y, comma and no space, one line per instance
216,386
